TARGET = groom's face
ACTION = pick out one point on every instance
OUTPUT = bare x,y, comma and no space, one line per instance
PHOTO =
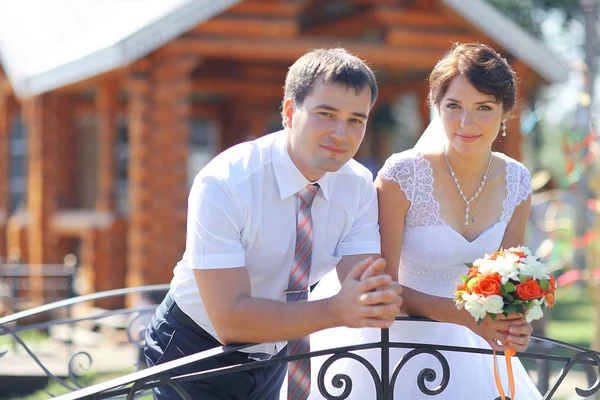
471,119
326,130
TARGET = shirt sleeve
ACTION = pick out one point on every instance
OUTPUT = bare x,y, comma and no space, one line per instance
214,225
363,237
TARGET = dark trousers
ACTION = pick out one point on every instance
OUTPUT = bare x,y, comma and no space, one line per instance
171,334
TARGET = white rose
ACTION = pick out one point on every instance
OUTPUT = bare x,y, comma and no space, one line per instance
507,269
534,313
512,258
487,267
478,262
493,304
535,302
540,270
528,270
531,260
521,249
474,306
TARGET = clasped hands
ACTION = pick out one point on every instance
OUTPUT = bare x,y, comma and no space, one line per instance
368,297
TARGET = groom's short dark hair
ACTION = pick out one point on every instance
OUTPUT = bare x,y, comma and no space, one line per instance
331,65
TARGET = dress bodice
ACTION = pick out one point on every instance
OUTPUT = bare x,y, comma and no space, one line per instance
433,254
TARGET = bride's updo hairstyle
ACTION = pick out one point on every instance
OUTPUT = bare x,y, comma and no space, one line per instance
483,67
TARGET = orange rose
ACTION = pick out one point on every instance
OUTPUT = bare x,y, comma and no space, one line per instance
461,289
550,299
497,254
473,272
529,290
489,285
552,284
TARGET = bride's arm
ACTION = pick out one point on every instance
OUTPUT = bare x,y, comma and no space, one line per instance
515,231
393,207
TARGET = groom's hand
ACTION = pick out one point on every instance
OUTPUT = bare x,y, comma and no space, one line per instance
394,285
366,302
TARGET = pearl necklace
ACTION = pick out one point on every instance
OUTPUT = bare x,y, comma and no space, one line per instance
481,187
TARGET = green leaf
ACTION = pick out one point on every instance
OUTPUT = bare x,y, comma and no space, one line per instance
509,287
523,278
470,265
544,284
492,316
465,278
472,283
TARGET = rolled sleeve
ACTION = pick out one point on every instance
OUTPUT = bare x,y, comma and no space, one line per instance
364,237
215,222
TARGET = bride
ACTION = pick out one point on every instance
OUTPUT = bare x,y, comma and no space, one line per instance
444,203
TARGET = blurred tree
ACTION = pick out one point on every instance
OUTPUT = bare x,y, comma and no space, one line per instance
530,13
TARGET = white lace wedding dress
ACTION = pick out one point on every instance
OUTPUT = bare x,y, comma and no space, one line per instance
433,258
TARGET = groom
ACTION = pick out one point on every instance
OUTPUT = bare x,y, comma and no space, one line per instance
267,219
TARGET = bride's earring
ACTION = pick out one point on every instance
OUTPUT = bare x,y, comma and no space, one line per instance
504,128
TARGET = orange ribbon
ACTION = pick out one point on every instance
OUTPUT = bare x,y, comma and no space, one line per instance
511,379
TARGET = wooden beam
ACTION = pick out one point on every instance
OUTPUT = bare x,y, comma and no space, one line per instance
92,82
5,86
439,40
348,25
248,27
264,72
389,91
528,79
239,88
468,27
198,110
266,8
6,116
378,2
399,17
289,51
107,103
208,111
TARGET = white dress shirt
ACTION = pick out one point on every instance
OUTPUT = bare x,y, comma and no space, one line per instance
242,212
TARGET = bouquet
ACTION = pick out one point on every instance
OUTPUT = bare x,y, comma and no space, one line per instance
506,282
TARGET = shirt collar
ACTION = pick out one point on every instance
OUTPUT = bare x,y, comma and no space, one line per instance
289,178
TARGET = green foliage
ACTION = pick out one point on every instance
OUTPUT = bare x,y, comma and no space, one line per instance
530,13
509,287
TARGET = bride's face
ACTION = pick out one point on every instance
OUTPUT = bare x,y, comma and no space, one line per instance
471,119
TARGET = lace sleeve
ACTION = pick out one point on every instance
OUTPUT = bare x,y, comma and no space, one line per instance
524,185
400,168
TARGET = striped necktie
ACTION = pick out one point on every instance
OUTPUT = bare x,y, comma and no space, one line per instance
299,370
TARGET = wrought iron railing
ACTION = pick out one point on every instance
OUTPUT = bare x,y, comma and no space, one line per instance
141,380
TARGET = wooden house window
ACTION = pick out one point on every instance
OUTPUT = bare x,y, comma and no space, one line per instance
18,165
203,145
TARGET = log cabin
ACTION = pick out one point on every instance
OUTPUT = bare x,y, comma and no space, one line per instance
109,108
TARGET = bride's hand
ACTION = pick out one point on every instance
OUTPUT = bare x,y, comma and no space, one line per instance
506,332
519,334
